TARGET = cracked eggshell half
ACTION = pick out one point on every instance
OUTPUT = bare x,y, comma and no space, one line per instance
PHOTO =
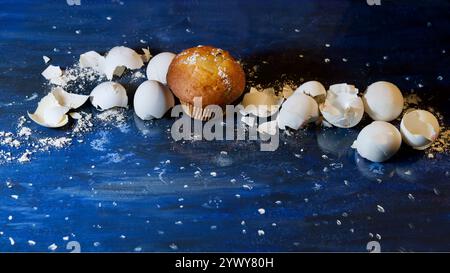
314,89
108,95
119,58
378,141
158,66
50,113
342,107
419,129
261,103
70,100
383,101
297,111
152,100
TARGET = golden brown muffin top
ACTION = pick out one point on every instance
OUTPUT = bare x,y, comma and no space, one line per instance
206,71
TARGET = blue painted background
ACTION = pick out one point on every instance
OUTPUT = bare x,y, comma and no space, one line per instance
133,203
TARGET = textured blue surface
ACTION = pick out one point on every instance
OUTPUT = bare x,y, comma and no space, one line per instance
131,200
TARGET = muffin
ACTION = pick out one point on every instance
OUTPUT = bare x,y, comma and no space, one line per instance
207,72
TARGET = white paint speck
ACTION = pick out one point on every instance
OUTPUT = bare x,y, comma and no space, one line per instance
261,232
173,246
261,211
380,209
52,247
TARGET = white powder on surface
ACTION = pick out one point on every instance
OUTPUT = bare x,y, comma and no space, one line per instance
20,145
83,124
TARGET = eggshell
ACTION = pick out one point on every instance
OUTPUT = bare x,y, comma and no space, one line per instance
383,101
92,59
147,55
249,120
419,129
342,107
314,89
52,72
297,111
378,141
269,127
46,59
152,100
119,58
50,113
261,103
108,95
70,100
158,66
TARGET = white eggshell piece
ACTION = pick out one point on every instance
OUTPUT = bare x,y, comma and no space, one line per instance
119,58
70,100
261,103
46,59
146,56
342,107
152,100
297,111
249,120
269,127
378,141
93,60
383,101
50,113
52,72
108,95
419,129
75,115
314,89
158,66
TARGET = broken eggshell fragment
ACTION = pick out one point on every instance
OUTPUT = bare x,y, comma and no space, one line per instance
269,127
70,100
50,113
152,100
146,56
342,107
378,141
54,75
52,109
261,103
158,66
118,59
419,129
297,111
108,95
314,89
93,60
